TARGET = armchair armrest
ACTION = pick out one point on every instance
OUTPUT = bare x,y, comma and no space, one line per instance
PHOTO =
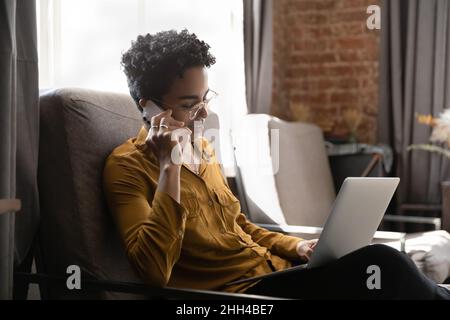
418,207
140,288
302,231
9,205
314,232
436,222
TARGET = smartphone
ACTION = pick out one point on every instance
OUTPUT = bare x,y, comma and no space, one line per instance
150,110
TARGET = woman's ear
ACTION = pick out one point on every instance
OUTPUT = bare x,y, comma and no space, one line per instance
142,102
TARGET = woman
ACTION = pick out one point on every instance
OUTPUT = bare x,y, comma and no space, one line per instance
181,224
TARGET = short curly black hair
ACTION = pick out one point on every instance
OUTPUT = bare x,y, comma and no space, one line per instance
153,61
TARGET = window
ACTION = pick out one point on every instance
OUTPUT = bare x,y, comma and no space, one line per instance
80,43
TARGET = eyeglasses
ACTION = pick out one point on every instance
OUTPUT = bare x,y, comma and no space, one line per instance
195,109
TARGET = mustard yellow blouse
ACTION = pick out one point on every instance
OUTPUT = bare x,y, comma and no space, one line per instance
202,243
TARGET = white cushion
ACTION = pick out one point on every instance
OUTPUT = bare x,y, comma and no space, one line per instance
430,251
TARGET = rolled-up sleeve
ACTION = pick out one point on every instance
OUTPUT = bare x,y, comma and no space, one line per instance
152,232
282,245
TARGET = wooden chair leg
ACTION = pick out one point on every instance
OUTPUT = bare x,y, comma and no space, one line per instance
375,159
9,205
445,205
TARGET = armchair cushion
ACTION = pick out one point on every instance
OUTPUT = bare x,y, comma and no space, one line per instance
79,128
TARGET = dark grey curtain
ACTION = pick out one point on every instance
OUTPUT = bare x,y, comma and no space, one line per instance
19,133
414,78
258,54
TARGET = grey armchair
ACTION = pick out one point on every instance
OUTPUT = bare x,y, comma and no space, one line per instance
79,128
302,192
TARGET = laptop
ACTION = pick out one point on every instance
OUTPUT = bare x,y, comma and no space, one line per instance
354,218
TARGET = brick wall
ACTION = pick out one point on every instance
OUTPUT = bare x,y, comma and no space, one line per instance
326,66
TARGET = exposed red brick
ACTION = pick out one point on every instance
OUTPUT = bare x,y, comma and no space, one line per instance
349,56
349,83
344,97
310,98
348,29
325,62
346,43
325,84
350,16
303,6
309,45
340,70
311,58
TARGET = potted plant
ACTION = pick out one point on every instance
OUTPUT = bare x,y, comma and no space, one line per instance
439,143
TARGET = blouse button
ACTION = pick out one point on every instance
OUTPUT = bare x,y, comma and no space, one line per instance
210,203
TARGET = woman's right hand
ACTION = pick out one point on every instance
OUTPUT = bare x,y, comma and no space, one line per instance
305,248
163,138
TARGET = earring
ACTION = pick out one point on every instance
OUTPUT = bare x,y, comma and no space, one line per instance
146,120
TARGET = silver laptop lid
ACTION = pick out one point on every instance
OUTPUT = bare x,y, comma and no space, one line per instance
354,218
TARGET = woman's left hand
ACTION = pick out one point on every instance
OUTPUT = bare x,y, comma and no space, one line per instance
305,249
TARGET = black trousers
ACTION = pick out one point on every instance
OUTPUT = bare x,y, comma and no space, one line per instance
351,277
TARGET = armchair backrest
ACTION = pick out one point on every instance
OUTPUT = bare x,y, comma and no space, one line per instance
304,180
78,130
300,188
